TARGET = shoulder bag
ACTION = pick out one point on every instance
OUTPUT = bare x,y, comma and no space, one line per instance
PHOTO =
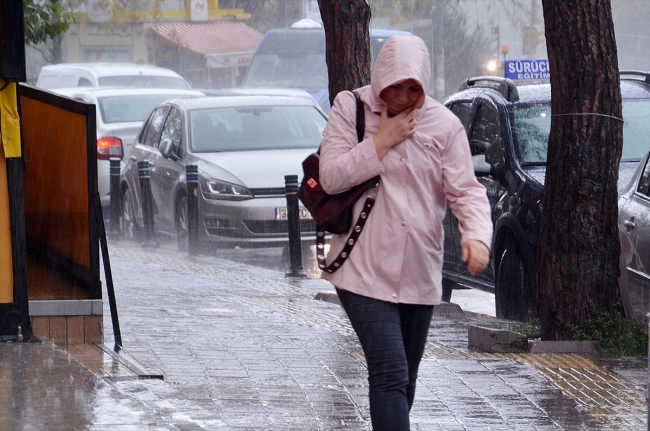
333,213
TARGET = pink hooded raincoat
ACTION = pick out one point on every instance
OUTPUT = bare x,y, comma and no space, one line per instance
399,254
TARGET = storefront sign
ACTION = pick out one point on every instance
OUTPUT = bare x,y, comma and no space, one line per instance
99,11
199,10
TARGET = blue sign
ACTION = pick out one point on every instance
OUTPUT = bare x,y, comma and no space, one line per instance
527,69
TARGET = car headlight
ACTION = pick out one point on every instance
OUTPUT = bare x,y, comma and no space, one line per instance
215,189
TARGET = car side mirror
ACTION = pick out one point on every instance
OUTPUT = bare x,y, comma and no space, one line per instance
477,147
481,167
168,149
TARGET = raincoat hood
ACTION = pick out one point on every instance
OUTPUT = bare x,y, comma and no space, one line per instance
401,58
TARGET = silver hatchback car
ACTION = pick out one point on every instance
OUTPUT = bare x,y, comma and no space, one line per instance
634,233
243,146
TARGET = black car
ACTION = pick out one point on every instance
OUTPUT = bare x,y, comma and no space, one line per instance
508,127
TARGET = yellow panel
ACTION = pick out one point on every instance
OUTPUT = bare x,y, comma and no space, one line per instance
6,261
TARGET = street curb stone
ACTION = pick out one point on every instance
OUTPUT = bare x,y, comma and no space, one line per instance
496,340
587,348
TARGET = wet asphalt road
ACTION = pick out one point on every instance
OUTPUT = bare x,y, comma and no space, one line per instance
242,347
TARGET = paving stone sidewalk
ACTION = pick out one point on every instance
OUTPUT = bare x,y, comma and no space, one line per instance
245,348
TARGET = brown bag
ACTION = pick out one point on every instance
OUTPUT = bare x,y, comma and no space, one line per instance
332,213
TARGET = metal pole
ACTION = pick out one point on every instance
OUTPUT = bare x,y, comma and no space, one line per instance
116,198
192,181
293,219
147,206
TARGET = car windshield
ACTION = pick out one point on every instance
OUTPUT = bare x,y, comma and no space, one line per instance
249,128
124,109
532,126
144,81
287,70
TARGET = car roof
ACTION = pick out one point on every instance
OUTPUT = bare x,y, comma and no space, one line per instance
114,69
124,91
634,85
244,100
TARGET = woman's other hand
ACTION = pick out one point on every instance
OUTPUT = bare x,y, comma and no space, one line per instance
393,130
476,256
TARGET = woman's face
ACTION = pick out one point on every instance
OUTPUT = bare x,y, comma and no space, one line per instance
401,95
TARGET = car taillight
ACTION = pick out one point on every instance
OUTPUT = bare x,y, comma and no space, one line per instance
109,147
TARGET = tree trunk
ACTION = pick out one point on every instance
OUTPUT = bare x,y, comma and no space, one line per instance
347,40
579,247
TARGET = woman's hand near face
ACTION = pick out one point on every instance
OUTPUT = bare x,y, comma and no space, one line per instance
393,130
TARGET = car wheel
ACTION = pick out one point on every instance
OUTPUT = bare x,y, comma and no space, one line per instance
181,225
513,296
129,226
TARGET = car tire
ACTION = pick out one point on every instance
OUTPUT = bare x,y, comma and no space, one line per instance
129,226
182,237
513,297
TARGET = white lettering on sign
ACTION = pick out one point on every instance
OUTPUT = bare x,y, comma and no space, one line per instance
528,69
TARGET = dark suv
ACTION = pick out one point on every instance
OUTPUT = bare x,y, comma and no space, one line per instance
508,127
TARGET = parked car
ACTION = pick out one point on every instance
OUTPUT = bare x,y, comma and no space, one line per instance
243,146
508,127
295,58
66,75
120,114
634,232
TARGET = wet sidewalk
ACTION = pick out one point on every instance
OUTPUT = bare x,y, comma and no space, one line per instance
244,348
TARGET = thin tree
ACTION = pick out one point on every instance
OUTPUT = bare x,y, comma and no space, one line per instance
579,245
347,42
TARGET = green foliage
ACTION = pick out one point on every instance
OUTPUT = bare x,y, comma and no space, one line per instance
616,334
530,329
44,20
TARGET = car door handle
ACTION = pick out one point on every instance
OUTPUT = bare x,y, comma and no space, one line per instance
629,224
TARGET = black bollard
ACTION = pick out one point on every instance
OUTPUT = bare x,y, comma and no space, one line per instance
116,198
293,219
147,206
192,181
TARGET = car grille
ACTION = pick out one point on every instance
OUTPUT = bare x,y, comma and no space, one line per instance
278,226
269,191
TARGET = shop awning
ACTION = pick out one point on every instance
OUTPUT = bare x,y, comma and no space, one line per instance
224,44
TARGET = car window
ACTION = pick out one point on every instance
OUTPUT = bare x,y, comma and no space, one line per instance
145,81
486,135
532,126
172,129
255,128
462,111
154,126
636,129
83,82
644,184
130,108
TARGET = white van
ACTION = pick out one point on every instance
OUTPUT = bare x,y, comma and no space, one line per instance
67,75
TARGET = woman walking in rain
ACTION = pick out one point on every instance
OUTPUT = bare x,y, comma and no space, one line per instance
393,277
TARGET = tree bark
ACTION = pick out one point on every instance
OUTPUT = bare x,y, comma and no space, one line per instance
347,41
579,246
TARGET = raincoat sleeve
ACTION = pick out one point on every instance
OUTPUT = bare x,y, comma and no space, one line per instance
466,196
345,163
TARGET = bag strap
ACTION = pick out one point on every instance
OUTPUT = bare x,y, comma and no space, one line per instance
361,220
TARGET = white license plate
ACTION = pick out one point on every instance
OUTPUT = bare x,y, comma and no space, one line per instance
282,213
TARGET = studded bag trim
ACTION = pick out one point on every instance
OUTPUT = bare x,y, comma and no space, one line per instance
352,239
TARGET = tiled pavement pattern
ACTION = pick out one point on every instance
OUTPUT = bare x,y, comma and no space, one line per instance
244,348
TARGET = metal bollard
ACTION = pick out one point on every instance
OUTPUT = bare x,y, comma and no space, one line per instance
116,198
192,181
147,205
293,219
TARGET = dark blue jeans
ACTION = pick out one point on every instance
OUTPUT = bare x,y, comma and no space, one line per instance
393,337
